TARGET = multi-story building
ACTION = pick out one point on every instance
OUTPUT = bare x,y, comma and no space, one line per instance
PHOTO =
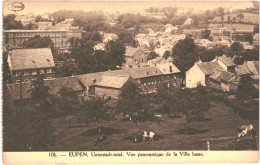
25,64
16,38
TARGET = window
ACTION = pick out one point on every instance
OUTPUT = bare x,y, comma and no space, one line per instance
41,71
13,73
144,84
26,80
49,70
33,72
152,82
30,72
22,73
26,73
17,81
45,70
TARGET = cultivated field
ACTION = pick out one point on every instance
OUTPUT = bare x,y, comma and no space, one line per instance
219,128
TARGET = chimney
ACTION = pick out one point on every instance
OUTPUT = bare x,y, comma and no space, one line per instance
170,68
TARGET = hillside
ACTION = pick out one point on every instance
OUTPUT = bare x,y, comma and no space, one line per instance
248,17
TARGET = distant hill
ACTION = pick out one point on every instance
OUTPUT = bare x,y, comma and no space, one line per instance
248,17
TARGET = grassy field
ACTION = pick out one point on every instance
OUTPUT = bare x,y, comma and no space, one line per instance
219,128
248,17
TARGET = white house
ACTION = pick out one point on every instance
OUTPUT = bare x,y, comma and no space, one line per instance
200,72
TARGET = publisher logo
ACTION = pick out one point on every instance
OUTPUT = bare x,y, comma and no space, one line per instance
15,6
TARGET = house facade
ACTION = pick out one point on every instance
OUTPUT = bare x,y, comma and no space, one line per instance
134,56
223,80
199,73
111,85
25,64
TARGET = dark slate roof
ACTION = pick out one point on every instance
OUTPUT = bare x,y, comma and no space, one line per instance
226,61
21,59
209,67
64,82
54,84
220,75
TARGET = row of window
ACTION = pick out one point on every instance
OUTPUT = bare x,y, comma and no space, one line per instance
27,80
155,82
38,33
30,72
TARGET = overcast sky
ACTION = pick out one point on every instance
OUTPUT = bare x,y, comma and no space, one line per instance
121,6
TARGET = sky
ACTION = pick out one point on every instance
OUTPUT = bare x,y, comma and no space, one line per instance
40,7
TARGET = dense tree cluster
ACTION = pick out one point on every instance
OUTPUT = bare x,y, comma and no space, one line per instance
89,21
9,22
39,42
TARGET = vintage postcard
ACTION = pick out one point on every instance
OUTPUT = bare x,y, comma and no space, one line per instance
130,82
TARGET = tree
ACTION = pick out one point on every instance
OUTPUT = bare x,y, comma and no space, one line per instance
68,101
40,95
95,36
256,29
9,22
132,102
115,51
206,34
167,97
234,19
235,49
246,89
221,11
68,68
240,16
184,54
194,104
229,19
127,38
152,55
28,131
249,38
39,42
6,70
96,110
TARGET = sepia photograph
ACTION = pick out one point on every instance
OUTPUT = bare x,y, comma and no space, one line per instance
130,76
